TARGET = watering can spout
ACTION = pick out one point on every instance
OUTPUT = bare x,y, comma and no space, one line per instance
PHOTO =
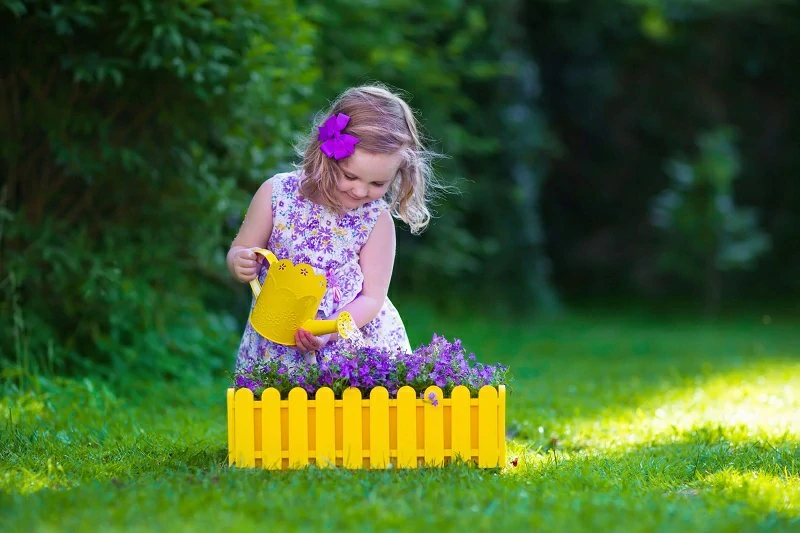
343,325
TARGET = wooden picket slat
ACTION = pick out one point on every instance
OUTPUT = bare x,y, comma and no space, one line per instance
352,449
245,427
434,426
406,428
487,427
298,428
501,423
231,427
271,456
460,416
379,428
325,428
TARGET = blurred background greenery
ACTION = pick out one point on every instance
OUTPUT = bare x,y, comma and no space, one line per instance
606,151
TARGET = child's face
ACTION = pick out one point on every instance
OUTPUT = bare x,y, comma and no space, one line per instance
366,177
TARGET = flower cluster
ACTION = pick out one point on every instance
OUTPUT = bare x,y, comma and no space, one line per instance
441,363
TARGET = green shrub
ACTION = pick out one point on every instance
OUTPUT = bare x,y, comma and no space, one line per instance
704,232
133,126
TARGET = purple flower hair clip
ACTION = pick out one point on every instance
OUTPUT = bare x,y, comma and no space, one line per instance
336,144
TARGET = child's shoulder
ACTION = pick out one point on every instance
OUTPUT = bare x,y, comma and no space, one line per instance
376,207
280,185
284,181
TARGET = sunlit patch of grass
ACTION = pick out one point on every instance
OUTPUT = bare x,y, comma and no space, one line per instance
762,493
760,401
26,481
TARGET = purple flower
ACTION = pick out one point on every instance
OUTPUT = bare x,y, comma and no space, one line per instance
432,398
246,382
440,362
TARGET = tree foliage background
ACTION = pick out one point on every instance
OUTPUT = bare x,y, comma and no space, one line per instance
638,148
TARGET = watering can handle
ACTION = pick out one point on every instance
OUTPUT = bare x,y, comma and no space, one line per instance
270,257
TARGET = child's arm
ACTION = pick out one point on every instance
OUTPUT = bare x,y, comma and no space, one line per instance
377,262
254,233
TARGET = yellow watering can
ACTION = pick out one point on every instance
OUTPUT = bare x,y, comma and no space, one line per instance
289,300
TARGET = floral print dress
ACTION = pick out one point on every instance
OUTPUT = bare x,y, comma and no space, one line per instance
306,232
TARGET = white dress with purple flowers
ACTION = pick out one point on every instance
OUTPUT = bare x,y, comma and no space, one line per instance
306,232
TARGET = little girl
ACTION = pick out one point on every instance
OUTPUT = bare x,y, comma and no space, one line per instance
363,164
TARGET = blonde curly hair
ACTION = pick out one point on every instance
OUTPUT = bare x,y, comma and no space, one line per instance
384,124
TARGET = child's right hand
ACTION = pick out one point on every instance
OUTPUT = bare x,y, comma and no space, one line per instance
246,264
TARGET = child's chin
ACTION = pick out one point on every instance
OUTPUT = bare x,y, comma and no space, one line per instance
349,202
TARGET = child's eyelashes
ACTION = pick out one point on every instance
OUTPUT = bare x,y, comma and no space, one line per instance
374,183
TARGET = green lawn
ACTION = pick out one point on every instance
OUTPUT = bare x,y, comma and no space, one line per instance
618,422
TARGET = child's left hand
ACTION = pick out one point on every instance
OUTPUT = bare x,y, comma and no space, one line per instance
306,342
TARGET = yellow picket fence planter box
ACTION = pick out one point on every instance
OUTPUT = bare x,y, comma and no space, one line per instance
407,432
